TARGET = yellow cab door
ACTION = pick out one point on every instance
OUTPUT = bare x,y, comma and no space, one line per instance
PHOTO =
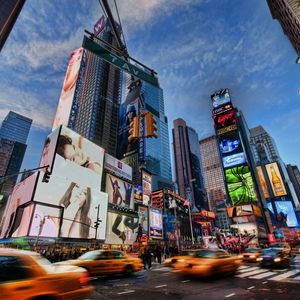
119,261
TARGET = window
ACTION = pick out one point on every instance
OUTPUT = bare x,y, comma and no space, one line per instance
117,255
12,269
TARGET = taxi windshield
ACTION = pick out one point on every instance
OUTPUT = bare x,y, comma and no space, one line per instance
89,255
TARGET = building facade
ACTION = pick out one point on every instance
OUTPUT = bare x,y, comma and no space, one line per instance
294,176
9,12
287,12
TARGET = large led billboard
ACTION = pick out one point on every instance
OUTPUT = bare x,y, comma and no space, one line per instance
117,167
220,98
147,187
155,223
286,216
275,179
225,119
138,194
66,97
119,191
121,229
240,185
81,204
78,159
262,182
239,211
234,160
143,218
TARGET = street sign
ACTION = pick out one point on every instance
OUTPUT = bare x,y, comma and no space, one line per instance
118,61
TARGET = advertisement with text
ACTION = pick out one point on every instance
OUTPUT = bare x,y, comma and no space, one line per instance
275,179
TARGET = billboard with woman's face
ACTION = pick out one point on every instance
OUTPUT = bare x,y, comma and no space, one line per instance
78,159
121,229
119,192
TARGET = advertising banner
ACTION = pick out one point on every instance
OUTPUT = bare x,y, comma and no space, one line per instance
138,194
66,97
262,181
275,179
22,221
78,159
147,187
220,98
143,218
119,192
118,167
170,228
224,120
222,109
286,216
81,205
155,223
121,229
234,160
240,185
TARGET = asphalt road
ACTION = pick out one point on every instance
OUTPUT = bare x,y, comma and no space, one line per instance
250,282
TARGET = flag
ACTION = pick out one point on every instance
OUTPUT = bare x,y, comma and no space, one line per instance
186,203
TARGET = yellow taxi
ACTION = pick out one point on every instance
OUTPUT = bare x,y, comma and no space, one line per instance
105,262
25,275
177,260
210,262
250,254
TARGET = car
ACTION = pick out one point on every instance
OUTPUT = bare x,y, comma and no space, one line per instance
26,275
250,254
274,257
210,262
106,262
176,260
296,250
282,245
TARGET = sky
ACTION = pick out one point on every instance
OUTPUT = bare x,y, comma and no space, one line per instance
196,46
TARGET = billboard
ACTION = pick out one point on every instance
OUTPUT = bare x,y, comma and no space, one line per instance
275,179
66,97
80,203
234,160
49,149
239,211
262,181
155,223
230,144
240,185
119,192
225,119
220,98
78,159
147,187
222,109
22,221
118,167
143,218
21,194
138,194
121,229
286,216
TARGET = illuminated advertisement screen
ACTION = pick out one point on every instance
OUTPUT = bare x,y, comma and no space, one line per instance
138,194
225,119
240,185
286,216
169,226
80,203
155,223
22,221
143,218
119,192
147,187
78,159
21,194
275,179
121,229
49,150
222,109
220,98
234,160
118,167
66,97
239,211
262,182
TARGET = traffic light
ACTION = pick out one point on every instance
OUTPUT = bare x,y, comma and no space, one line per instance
97,223
134,131
150,123
46,176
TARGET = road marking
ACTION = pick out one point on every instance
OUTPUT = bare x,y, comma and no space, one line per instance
251,273
263,275
184,281
248,269
230,295
264,282
159,286
297,278
162,269
251,287
126,292
242,267
284,275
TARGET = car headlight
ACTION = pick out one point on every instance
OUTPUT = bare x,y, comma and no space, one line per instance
252,256
259,259
181,260
240,256
277,259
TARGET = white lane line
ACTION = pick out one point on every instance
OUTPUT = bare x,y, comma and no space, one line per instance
297,278
126,292
242,267
251,273
251,287
248,269
230,295
263,275
159,286
184,281
124,284
264,282
284,275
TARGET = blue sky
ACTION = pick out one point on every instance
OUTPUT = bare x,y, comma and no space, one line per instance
197,47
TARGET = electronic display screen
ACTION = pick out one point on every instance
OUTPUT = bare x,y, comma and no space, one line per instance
147,187
275,179
155,223
225,119
286,216
220,97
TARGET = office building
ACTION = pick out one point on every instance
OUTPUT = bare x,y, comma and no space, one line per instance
287,12
187,164
294,176
9,12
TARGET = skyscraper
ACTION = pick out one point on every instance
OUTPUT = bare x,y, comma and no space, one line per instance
187,164
9,12
287,12
294,175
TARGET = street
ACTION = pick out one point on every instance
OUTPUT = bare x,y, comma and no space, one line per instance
160,282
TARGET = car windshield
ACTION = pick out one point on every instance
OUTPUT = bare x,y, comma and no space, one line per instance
211,254
270,251
89,255
251,250
187,252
